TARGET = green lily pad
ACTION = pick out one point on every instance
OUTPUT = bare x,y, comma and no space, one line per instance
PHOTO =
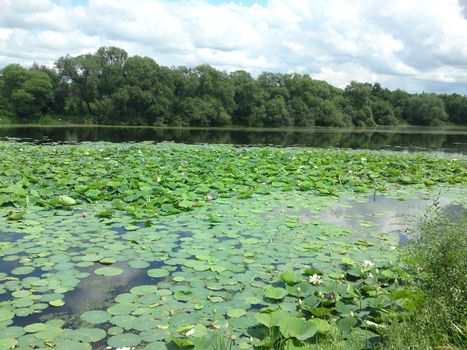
6,314
276,293
291,277
234,313
57,302
34,327
95,316
143,290
8,343
23,270
124,340
158,273
297,328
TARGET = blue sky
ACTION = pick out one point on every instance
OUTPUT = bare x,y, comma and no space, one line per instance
415,45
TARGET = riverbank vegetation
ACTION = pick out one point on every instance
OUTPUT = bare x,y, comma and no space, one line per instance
109,87
436,261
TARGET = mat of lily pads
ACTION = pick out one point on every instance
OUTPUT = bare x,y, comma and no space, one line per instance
172,246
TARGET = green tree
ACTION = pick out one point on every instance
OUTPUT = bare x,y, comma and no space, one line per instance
29,91
383,112
204,111
249,99
277,113
426,109
82,72
456,108
358,104
110,76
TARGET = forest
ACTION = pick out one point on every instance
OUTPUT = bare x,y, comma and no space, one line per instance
111,87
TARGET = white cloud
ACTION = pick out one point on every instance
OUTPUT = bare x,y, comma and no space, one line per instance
411,44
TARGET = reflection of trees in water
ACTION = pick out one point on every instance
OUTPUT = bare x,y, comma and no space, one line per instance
371,140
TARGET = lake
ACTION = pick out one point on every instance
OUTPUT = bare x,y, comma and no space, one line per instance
156,245
410,139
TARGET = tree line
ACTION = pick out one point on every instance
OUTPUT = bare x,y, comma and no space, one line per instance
113,88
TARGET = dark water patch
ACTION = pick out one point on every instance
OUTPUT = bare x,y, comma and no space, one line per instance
10,236
410,140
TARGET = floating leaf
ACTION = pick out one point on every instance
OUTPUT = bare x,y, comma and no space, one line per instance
297,328
124,340
95,316
57,302
275,293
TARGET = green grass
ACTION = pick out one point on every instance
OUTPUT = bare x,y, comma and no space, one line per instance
438,260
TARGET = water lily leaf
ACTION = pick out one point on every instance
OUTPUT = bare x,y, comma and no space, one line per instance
271,320
124,340
6,314
88,335
291,277
143,290
72,344
95,316
57,302
23,270
34,327
276,293
8,343
322,326
183,295
345,324
15,215
182,342
49,333
234,313
297,328
158,273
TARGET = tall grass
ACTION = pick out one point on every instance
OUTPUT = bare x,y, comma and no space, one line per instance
437,258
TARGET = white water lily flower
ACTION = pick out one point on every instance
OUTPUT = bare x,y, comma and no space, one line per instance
190,332
368,263
315,279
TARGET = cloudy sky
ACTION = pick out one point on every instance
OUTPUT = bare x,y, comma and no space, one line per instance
416,45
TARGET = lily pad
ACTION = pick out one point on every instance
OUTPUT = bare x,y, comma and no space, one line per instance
124,340
158,273
276,293
95,316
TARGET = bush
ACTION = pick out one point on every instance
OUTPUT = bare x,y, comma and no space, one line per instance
438,260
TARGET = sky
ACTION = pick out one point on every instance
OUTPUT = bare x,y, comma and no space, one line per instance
415,45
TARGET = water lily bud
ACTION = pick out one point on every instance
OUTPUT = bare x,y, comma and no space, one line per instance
66,201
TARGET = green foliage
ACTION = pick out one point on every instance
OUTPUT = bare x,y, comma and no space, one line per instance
117,89
437,260
180,179
426,109
456,108
27,92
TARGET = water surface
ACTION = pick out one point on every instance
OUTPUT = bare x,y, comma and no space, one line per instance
452,141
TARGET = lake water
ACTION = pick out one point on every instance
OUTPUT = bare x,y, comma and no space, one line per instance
203,267
449,141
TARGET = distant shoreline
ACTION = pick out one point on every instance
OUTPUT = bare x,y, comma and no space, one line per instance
402,129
